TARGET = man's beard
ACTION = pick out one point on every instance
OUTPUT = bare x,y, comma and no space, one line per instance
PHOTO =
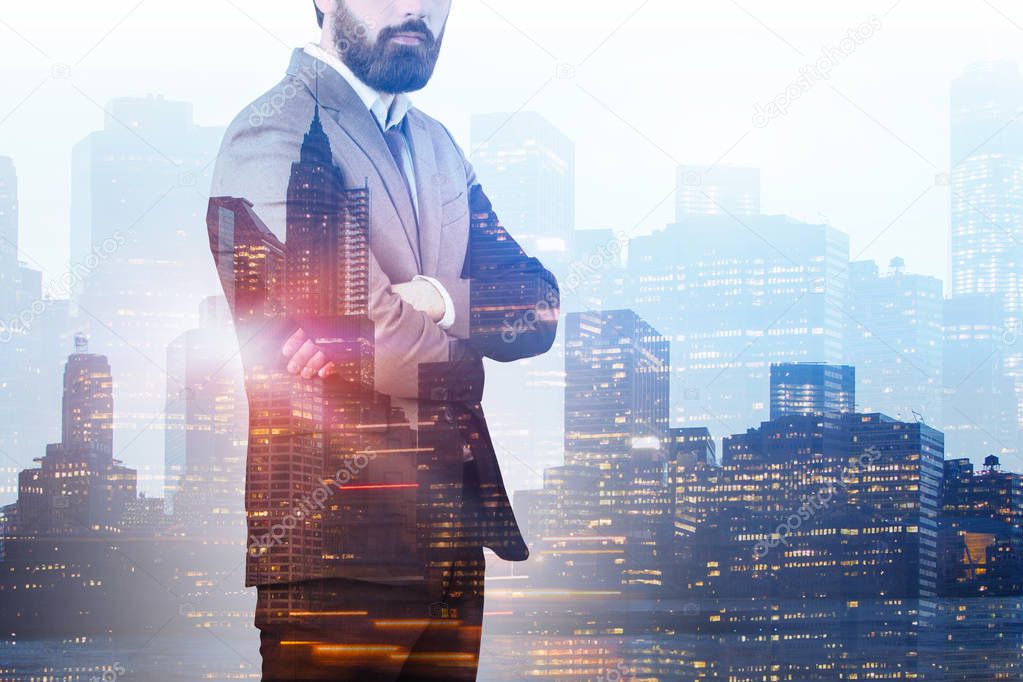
386,66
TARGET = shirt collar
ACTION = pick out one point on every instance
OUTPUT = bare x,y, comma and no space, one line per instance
378,103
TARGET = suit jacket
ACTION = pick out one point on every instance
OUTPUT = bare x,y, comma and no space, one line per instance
506,307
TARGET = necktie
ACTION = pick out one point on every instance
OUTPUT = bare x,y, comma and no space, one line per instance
396,143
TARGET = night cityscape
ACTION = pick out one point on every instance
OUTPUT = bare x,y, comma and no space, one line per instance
753,456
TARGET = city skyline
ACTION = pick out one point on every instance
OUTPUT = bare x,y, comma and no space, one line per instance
743,284
891,177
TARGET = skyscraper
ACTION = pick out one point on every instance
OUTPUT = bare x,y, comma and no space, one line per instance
330,464
735,297
88,402
807,388
894,332
34,331
326,262
616,386
139,264
604,516
204,451
987,196
78,487
8,234
527,167
978,411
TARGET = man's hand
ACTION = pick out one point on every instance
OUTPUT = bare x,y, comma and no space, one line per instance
422,296
305,357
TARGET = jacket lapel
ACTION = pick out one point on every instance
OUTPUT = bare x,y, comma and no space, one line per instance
427,189
338,98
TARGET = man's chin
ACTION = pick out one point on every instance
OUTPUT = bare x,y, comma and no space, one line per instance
406,78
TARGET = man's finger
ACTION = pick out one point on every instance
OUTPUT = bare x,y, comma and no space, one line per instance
313,365
299,360
327,370
293,343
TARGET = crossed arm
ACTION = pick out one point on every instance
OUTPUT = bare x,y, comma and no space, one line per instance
255,163
524,294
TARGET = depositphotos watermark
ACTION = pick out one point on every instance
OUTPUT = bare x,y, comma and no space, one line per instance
815,72
315,501
616,674
822,499
111,674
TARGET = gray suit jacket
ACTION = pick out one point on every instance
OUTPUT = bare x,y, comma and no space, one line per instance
457,246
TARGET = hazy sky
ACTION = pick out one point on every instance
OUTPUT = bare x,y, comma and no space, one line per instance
652,84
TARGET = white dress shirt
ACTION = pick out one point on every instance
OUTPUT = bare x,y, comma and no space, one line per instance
389,110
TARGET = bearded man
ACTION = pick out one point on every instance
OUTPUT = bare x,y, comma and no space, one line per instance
343,218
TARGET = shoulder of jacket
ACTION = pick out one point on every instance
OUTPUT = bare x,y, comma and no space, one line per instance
284,108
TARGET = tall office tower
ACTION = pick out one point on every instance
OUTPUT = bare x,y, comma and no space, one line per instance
692,456
494,311
616,386
327,258
78,487
34,332
734,301
317,435
987,196
899,482
716,190
328,235
12,333
604,516
894,335
204,450
527,167
250,261
88,402
806,388
8,235
140,267
979,412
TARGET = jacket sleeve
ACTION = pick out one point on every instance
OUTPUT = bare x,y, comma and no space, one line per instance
255,164
507,303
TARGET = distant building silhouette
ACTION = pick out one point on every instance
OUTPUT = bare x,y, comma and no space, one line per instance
79,488
716,190
528,168
979,412
735,297
204,445
894,334
139,268
987,204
